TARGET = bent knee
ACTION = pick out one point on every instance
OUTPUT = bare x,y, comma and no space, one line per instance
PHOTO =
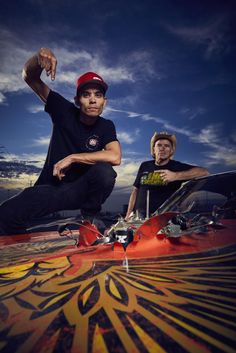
103,174
105,171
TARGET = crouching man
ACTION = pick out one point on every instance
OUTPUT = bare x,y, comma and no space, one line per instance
78,172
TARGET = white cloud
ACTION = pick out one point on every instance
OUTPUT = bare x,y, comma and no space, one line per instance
130,100
221,155
192,113
128,138
36,159
126,172
13,56
141,65
14,52
110,110
165,125
20,182
42,141
19,171
211,35
2,98
211,136
133,67
208,136
117,74
36,108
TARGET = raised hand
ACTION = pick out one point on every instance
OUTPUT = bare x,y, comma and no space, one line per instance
48,62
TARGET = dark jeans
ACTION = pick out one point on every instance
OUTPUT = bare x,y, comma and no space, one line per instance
87,193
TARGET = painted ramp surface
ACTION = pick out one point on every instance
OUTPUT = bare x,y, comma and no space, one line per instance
165,295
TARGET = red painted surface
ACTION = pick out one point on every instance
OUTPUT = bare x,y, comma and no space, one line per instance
160,295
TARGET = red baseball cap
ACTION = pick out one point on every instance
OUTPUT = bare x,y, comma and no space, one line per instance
91,77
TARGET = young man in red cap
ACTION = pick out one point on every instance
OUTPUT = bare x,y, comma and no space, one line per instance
78,171
161,177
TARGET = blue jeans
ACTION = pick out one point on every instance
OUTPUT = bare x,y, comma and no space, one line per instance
87,193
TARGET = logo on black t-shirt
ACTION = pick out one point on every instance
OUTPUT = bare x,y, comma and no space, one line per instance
92,142
152,178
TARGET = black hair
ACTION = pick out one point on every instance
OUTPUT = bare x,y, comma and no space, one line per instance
83,88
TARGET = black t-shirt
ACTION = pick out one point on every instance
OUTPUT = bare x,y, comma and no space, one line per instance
148,179
70,136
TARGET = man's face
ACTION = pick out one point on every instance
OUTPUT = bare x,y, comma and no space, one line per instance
163,150
91,101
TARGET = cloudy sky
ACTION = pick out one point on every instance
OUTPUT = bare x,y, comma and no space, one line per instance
170,66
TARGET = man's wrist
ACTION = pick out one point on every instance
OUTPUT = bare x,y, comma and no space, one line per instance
74,158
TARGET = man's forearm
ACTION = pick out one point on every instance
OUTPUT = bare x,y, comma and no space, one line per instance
111,154
95,157
132,201
43,60
192,173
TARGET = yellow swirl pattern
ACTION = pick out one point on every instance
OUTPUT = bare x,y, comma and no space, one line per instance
178,303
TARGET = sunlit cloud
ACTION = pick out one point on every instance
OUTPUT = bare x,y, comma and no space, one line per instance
36,159
42,141
20,182
128,138
36,108
126,172
13,165
17,175
19,171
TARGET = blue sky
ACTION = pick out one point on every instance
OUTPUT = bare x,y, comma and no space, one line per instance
170,66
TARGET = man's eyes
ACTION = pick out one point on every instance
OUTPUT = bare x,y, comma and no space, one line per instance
166,146
87,95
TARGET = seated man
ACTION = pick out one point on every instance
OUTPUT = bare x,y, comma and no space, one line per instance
160,177
78,171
